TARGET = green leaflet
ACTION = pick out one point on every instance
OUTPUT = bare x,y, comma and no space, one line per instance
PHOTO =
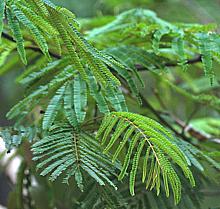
128,155
68,43
41,6
116,98
121,126
69,105
178,45
145,166
2,9
80,98
205,48
97,95
15,27
79,178
127,135
53,108
139,131
135,166
157,37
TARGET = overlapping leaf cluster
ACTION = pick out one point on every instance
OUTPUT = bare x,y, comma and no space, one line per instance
68,78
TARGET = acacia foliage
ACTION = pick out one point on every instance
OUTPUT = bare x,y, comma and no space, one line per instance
77,78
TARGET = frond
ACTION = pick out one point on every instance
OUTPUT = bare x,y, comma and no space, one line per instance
16,30
141,134
60,73
65,151
38,37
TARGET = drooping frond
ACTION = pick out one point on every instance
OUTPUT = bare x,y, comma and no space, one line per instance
37,35
15,27
64,150
147,141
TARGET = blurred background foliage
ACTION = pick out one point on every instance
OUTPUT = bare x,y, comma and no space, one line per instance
202,11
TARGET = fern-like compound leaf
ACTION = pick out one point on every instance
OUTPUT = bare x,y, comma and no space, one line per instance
15,27
142,133
66,151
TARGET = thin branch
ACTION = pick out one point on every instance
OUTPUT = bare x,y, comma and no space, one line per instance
33,48
7,36
189,62
193,132
138,66
196,109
